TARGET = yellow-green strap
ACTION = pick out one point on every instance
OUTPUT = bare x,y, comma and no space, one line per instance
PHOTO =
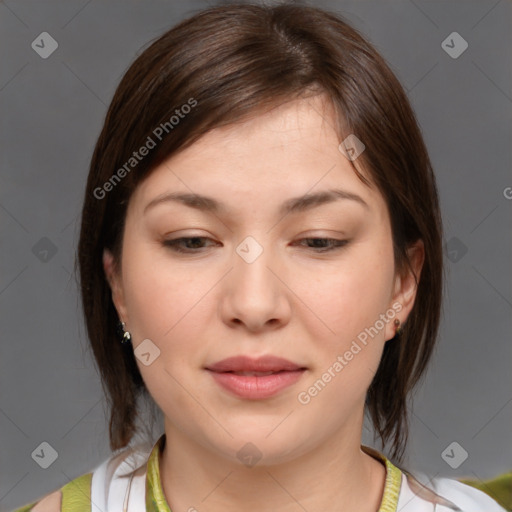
391,488
393,483
155,498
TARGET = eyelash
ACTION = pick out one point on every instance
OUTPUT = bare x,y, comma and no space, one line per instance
335,244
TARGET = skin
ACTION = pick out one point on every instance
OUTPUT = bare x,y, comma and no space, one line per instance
292,301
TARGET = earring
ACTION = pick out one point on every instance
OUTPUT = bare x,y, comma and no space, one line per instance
398,330
126,337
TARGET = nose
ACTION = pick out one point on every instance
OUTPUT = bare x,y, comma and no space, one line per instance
254,293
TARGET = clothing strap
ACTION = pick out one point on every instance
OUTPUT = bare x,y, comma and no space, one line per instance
119,483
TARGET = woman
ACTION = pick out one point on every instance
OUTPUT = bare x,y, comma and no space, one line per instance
261,220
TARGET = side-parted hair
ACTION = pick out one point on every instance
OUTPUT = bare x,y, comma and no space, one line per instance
225,65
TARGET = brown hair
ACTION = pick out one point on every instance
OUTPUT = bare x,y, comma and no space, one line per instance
232,62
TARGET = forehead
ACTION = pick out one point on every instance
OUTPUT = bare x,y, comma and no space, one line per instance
288,151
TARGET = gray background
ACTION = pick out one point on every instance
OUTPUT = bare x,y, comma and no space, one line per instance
52,111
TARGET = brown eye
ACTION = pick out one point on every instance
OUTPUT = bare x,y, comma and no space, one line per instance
325,244
191,244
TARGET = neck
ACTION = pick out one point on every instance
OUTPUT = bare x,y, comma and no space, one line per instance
337,475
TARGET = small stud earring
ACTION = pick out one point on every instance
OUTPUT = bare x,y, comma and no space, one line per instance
398,327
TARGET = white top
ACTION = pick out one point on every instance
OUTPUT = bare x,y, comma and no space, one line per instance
119,485
460,496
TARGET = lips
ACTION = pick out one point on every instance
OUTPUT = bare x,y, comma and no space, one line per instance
244,365
255,379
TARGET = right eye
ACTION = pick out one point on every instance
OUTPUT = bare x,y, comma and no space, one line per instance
191,243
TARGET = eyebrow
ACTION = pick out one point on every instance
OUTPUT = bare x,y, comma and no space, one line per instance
293,205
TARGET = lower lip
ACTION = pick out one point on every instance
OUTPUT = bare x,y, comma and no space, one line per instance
255,387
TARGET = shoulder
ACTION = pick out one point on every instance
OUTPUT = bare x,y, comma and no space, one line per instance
77,495
72,497
498,487
466,497
50,503
446,494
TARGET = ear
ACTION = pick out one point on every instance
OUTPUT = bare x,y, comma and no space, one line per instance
113,277
406,286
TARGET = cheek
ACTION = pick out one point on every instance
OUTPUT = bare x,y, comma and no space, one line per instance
348,345
170,308
349,339
349,298
158,294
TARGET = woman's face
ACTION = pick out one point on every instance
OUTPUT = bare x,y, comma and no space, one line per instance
253,280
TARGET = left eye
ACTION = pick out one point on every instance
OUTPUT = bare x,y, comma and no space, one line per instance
325,244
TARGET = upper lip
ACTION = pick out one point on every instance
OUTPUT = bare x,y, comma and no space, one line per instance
266,363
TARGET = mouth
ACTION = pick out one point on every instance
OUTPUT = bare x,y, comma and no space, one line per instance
253,385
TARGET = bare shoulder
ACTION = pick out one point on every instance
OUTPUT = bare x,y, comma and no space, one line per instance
50,503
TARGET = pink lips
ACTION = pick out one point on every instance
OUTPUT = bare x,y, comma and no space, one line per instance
255,379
